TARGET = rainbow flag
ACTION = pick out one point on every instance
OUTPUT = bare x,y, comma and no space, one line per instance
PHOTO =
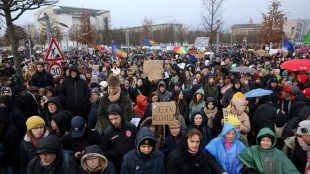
148,42
117,50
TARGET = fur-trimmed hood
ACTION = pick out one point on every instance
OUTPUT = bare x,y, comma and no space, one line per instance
94,150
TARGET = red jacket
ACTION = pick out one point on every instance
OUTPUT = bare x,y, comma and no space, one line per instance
139,107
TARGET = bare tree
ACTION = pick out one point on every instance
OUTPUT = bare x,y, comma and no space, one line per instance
210,15
181,34
20,34
57,33
86,30
273,21
147,28
74,33
17,8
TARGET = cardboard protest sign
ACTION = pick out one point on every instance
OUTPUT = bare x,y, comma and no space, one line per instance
134,68
261,52
95,70
163,113
153,69
227,112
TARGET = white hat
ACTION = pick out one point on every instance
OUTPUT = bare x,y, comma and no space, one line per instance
304,128
103,84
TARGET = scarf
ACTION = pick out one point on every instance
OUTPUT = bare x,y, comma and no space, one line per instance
99,167
114,98
34,141
227,144
306,148
211,115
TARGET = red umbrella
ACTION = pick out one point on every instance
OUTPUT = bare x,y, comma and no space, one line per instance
296,65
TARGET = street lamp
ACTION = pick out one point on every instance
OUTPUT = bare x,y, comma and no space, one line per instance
44,16
217,35
127,41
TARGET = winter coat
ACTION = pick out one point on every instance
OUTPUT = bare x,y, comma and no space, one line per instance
267,161
267,115
116,142
226,158
8,71
10,139
93,114
184,110
74,91
299,102
133,162
180,161
211,90
141,90
102,116
240,105
42,79
189,87
90,137
196,107
59,166
230,93
165,96
171,142
27,152
12,113
292,124
95,151
28,104
217,127
63,122
46,115
295,153
205,131
139,105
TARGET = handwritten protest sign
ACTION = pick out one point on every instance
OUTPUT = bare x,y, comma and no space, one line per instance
134,68
153,69
227,112
163,112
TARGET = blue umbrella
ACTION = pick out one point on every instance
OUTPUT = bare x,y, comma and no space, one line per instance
257,93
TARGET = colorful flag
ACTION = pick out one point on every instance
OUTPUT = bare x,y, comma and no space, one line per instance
117,50
307,38
287,45
149,42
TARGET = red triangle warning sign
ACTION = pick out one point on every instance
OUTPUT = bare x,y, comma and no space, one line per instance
54,53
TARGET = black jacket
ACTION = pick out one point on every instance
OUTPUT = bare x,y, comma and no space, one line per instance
59,166
116,142
267,115
74,91
78,144
46,115
27,103
179,161
8,71
43,79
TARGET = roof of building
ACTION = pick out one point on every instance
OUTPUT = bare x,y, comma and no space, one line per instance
246,25
79,11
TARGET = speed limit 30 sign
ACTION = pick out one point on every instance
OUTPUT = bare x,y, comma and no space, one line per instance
56,70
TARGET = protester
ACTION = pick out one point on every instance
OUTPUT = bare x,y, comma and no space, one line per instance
213,116
94,102
41,78
145,158
197,102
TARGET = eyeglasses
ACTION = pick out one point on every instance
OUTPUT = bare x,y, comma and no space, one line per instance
174,128
92,159
38,127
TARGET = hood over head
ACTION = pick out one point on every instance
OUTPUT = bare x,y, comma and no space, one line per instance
240,105
266,132
145,136
116,108
226,128
140,99
94,151
63,121
54,100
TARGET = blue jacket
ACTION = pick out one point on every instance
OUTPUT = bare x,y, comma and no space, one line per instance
227,158
134,163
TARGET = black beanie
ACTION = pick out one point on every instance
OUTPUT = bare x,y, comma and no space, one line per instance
148,141
274,97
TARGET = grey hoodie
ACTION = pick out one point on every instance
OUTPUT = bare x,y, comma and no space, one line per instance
165,96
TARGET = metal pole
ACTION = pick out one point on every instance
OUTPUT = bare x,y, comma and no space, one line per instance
127,42
30,50
217,36
48,28
67,40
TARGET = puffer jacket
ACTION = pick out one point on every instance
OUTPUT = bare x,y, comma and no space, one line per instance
95,151
240,105
42,79
134,162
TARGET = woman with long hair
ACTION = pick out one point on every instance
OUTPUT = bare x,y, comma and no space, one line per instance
182,105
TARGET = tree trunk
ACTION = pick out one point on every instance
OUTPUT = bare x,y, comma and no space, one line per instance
14,44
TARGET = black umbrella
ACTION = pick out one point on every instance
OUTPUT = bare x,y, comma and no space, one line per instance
74,56
139,56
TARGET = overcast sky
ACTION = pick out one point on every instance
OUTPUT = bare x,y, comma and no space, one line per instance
130,13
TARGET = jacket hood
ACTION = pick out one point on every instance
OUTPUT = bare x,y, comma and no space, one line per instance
140,99
74,68
16,76
116,108
203,118
161,83
54,100
265,131
94,150
226,128
193,78
7,100
240,104
50,88
210,99
144,133
63,121
200,91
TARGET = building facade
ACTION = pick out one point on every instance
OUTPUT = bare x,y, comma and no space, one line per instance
296,30
66,17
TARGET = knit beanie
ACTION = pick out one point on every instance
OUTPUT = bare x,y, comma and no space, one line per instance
33,122
172,79
96,91
233,121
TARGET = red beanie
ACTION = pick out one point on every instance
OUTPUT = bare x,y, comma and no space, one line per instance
287,88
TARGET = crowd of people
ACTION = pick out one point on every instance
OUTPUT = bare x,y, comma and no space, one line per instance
81,122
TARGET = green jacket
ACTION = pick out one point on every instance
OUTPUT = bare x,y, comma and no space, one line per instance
102,116
211,90
289,147
197,107
267,161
